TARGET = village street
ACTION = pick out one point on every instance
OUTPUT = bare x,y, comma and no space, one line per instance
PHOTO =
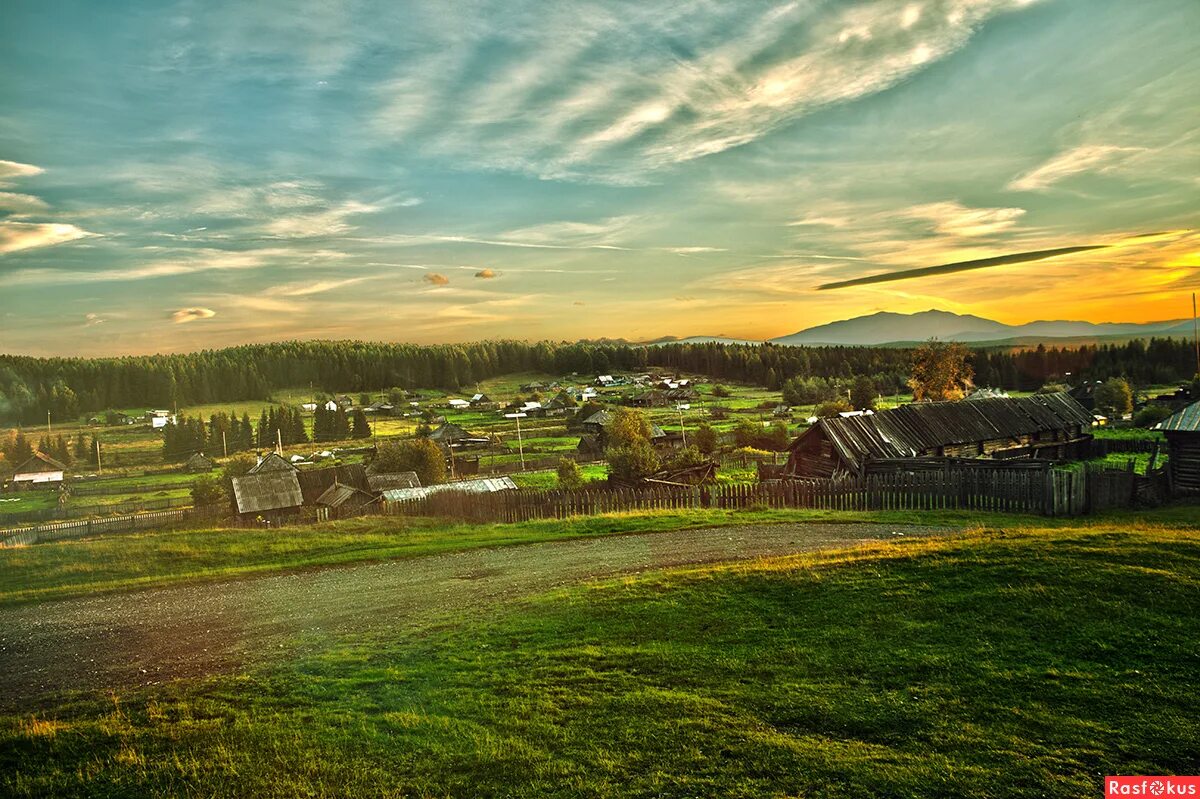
152,636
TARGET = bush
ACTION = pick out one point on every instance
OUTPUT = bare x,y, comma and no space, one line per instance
1151,415
208,492
721,391
633,462
418,455
831,408
706,439
569,476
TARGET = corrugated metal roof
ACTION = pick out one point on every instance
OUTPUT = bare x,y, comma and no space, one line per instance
1186,420
272,490
909,430
485,485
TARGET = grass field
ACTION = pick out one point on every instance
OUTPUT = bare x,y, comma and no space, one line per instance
1001,664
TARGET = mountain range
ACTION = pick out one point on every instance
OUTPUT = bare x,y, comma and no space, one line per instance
887,328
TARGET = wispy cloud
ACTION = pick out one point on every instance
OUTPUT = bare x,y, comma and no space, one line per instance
1084,158
21,204
315,287
16,236
13,169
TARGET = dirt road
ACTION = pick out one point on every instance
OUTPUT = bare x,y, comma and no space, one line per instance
146,637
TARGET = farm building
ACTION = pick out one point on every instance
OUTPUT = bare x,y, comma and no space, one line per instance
1049,426
484,485
452,436
482,402
39,471
272,462
271,494
379,483
315,482
344,497
1182,430
198,463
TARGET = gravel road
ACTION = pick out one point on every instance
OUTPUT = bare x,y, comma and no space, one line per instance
150,636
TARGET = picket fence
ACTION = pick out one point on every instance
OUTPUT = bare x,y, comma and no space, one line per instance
83,528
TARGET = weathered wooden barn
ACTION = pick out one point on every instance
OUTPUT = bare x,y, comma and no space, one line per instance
1182,430
39,471
1046,426
273,495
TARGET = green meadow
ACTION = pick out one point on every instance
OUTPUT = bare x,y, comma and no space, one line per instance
1006,663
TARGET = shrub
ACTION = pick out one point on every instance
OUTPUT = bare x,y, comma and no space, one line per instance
1151,415
418,455
831,408
207,492
569,476
721,391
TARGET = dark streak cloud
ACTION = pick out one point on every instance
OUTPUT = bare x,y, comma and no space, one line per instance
960,266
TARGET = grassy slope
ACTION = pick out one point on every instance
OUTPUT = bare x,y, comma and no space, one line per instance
996,665
140,560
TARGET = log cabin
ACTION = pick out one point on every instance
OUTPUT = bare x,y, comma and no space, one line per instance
1046,426
1182,430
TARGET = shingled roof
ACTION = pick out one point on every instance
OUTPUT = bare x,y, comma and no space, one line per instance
266,491
906,431
40,462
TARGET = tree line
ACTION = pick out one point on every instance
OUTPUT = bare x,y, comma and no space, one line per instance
68,387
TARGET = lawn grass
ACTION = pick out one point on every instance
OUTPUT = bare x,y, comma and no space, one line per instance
995,665
147,559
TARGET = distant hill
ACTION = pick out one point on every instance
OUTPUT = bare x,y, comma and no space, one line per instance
699,340
890,328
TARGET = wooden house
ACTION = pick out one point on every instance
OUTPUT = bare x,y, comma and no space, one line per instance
344,497
1182,430
1046,426
270,494
378,483
272,462
198,464
452,436
315,482
39,471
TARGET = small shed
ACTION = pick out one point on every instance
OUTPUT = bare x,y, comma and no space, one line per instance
272,494
199,463
390,480
39,471
344,497
1182,430
484,485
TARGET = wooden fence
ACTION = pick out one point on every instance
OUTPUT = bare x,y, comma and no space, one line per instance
82,528
81,511
1042,491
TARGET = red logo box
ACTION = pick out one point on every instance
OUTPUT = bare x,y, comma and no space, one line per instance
1153,787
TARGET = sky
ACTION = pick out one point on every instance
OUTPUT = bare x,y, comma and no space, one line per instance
182,175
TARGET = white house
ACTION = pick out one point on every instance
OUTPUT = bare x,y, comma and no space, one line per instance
459,404
160,419
309,406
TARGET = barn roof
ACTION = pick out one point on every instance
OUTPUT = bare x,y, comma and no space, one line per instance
272,462
909,430
314,482
485,485
272,490
40,462
384,482
1183,421
448,431
339,494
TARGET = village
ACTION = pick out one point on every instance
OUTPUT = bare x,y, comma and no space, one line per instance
551,447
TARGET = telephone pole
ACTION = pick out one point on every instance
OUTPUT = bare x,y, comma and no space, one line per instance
224,445
99,468
278,443
48,412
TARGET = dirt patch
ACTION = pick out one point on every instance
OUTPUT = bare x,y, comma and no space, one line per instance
147,637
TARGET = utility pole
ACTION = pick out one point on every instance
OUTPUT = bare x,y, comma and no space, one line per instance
224,445
48,412
99,468
520,443
278,443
